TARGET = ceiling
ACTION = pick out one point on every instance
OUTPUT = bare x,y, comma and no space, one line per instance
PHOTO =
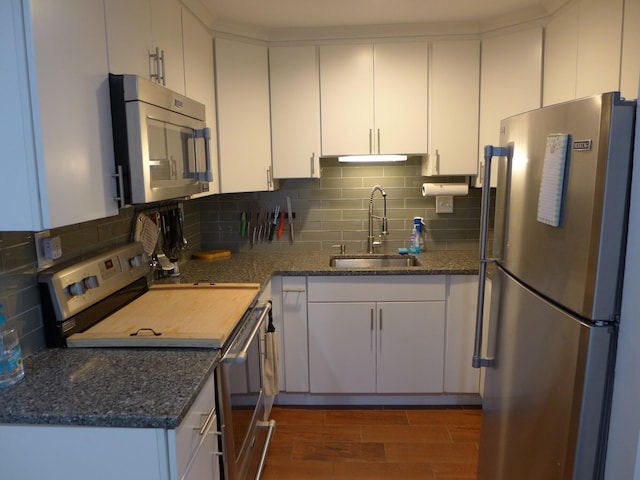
289,14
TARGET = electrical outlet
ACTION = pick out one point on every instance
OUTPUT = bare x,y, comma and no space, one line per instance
444,204
47,248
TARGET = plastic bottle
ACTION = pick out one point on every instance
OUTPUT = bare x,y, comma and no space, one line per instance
11,368
418,222
414,242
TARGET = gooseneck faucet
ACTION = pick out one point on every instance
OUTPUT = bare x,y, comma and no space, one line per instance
370,242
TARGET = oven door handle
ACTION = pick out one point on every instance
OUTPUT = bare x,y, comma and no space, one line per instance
241,356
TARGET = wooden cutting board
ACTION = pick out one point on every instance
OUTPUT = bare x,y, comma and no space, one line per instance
176,315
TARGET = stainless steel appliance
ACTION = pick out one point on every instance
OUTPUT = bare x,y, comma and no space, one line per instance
559,243
161,142
105,301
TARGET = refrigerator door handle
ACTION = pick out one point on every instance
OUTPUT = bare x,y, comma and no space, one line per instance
489,152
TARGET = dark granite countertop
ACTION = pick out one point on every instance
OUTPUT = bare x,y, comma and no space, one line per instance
141,388
258,267
154,388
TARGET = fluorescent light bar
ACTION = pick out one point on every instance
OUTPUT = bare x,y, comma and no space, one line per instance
373,158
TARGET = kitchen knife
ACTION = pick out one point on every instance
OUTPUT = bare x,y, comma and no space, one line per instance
281,226
272,227
290,214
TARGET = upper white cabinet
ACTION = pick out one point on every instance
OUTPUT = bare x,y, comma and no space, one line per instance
630,50
583,44
200,81
135,29
599,45
510,83
244,137
374,98
454,101
55,123
295,111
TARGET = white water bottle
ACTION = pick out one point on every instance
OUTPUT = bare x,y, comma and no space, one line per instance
11,368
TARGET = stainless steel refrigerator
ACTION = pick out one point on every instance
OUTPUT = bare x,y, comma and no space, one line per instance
556,280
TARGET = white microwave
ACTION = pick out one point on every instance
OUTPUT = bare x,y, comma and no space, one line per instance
161,142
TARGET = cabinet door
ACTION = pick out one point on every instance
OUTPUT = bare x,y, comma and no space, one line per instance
459,375
630,50
511,82
342,348
166,25
129,37
400,96
244,137
296,351
410,347
346,83
72,116
200,82
561,56
295,111
454,102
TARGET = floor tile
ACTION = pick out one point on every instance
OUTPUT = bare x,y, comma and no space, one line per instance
297,470
432,452
384,471
406,433
366,417
340,452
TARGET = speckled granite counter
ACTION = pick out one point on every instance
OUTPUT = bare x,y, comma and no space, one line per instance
259,267
154,388
143,388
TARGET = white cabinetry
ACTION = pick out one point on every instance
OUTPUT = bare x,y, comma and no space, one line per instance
101,453
244,137
55,122
376,334
135,29
599,45
199,80
295,346
510,83
374,98
459,375
583,44
630,50
454,101
295,111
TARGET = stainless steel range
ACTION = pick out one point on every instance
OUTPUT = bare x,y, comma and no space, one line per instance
106,301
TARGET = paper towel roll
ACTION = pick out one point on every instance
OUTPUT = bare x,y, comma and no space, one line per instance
435,189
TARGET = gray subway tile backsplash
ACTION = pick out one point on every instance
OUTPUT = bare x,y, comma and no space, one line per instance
329,210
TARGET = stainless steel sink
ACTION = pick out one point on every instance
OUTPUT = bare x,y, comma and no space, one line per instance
373,261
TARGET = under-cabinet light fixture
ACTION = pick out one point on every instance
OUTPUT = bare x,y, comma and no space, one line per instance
372,158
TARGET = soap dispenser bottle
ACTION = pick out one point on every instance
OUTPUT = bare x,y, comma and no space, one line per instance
11,368
414,239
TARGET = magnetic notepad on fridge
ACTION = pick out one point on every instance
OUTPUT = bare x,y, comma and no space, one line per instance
552,184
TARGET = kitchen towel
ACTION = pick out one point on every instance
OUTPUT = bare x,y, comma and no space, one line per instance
271,365
436,189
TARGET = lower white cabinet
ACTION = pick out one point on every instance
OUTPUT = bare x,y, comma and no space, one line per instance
459,375
295,346
376,347
102,453
373,334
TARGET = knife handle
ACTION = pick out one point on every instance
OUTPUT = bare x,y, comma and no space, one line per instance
281,226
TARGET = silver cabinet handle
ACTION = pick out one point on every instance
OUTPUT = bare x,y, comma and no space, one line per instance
120,180
437,162
294,290
242,356
164,76
379,151
380,313
370,140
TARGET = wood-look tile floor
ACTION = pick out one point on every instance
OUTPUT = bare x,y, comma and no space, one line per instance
371,444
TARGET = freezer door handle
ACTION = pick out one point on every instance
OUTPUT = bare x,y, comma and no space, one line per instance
489,152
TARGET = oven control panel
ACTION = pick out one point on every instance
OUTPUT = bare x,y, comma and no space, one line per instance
76,287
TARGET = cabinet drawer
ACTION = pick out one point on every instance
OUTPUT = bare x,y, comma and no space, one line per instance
188,435
376,288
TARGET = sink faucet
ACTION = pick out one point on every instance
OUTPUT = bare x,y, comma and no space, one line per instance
370,242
